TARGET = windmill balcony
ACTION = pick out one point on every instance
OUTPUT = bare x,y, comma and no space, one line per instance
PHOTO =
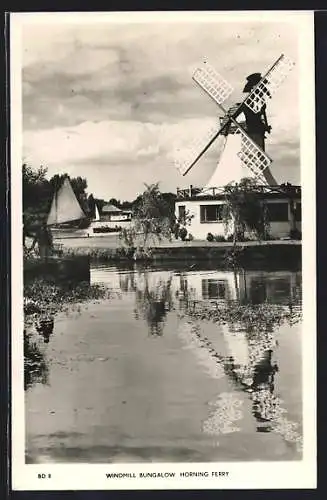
193,192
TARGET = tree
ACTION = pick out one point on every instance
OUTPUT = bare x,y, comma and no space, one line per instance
78,184
292,192
126,205
151,217
37,193
100,202
244,210
114,202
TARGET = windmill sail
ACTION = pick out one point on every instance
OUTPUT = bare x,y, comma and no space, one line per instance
252,156
187,157
269,83
65,206
212,83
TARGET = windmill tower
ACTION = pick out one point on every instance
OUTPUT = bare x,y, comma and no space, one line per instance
242,130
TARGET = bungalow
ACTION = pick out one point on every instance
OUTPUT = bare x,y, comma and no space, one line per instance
110,213
111,219
206,209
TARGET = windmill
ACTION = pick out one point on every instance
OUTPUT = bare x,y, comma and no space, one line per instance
248,149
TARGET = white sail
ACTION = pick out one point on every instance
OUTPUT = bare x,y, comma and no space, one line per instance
65,206
97,214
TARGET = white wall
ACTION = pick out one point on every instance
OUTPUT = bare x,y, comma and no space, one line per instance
119,217
199,230
279,229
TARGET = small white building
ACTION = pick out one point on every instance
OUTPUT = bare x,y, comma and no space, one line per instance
110,213
111,219
206,209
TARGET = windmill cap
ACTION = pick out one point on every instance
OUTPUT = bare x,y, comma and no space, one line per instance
252,80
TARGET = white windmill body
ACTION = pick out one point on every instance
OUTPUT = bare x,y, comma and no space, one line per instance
229,167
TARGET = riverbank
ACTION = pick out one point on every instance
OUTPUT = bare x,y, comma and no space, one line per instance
286,252
113,241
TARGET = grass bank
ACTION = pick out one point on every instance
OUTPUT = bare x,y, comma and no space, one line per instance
246,253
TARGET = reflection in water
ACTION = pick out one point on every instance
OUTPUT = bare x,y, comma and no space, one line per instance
239,355
227,411
43,299
35,364
127,282
248,324
153,301
44,326
215,289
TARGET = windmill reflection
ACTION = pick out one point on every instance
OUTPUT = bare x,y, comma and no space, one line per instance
248,308
253,367
263,399
153,299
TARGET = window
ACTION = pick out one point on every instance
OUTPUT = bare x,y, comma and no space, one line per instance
278,212
298,212
211,213
214,289
181,212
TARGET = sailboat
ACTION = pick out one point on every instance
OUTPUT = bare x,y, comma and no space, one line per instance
65,206
97,214
67,268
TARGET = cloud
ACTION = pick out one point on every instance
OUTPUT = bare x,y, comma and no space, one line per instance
120,96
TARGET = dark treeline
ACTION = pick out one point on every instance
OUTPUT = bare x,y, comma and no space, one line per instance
38,192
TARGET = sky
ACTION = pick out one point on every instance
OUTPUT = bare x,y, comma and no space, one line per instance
114,101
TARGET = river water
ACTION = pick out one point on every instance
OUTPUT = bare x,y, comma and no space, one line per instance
147,375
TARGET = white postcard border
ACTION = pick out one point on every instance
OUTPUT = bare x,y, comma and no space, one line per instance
245,475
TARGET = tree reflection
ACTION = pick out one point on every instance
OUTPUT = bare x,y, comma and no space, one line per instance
153,301
35,365
44,326
127,281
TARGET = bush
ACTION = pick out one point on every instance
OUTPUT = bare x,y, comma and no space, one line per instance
190,237
219,237
175,230
183,233
107,229
210,237
295,234
142,254
269,237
